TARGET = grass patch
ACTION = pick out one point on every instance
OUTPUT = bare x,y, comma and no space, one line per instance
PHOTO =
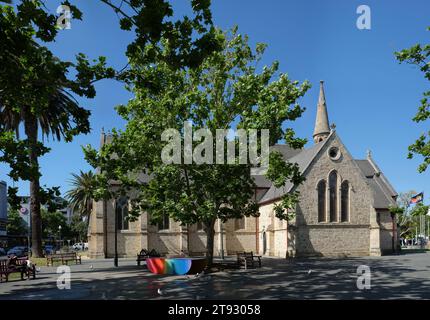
42,262
39,262
15,276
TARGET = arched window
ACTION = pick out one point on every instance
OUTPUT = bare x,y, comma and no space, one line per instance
344,201
321,201
332,183
121,211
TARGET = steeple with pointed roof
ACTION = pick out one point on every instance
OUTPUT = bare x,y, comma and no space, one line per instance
322,127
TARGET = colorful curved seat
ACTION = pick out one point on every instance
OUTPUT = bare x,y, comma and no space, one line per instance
177,266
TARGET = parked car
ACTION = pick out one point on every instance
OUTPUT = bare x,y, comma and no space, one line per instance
19,251
2,252
78,246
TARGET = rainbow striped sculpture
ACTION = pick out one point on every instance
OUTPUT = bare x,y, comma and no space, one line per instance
177,266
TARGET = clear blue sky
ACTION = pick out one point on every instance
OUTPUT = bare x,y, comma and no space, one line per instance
370,97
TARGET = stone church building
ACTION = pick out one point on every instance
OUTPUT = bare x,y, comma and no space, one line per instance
343,210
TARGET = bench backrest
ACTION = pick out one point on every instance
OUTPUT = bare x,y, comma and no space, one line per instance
21,261
62,255
248,256
152,253
143,252
10,263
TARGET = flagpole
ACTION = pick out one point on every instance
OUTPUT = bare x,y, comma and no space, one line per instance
421,223
416,234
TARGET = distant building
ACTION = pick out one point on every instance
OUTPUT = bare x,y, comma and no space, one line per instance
3,208
68,213
25,209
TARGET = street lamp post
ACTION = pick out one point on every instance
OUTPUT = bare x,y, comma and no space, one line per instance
222,240
59,233
115,259
29,234
26,212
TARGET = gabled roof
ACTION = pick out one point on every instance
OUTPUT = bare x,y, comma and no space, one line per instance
304,158
383,192
287,152
366,168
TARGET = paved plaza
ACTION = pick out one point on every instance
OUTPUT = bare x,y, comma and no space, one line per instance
405,276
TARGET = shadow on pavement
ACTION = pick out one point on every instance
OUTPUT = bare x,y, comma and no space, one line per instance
392,277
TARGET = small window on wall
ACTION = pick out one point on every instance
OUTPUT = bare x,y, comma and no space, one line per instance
164,224
239,224
121,211
199,226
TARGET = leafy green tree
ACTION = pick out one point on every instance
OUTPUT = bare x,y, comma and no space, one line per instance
224,92
36,89
51,221
81,194
419,210
190,38
404,219
37,95
78,228
16,225
418,216
419,55
408,217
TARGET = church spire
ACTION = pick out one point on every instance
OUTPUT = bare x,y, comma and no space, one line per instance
322,129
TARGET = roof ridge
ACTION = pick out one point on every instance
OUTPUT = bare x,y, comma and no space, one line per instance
385,193
381,175
320,145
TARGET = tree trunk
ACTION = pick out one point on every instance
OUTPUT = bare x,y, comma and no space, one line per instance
210,237
36,218
89,212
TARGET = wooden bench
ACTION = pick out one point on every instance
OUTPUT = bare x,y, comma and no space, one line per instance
248,260
143,254
16,265
63,257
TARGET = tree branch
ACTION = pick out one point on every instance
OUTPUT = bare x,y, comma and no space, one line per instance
117,9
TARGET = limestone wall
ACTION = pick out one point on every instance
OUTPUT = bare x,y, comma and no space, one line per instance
333,238
142,235
241,239
386,225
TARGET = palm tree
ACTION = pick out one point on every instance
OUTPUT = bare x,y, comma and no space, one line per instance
81,195
42,105
56,121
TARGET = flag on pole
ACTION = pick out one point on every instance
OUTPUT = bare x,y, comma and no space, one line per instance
417,198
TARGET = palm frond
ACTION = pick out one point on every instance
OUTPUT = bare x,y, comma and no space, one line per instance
80,195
